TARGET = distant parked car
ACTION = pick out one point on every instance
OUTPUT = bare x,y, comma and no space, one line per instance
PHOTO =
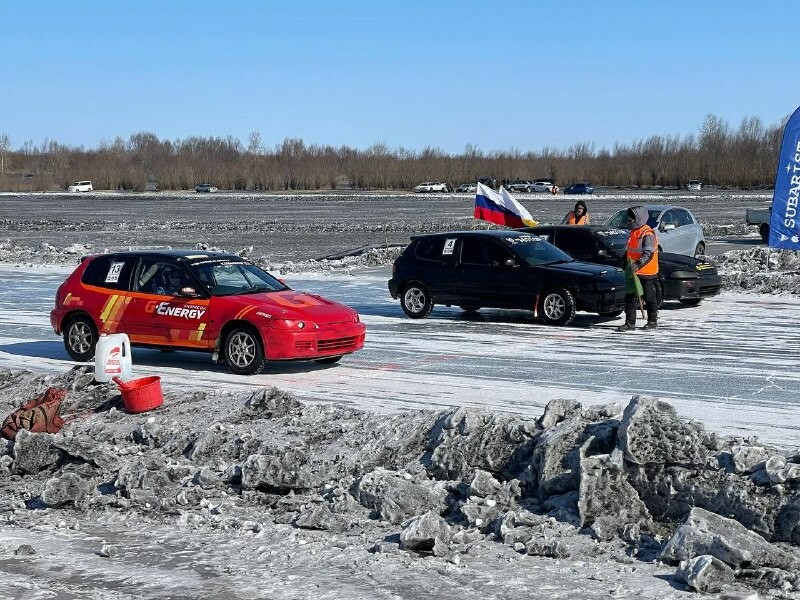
676,227
467,188
683,278
80,186
694,185
580,188
488,182
762,218
205,187
431,186
542,185
520,185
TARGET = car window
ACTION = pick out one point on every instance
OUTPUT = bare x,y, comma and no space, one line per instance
669,218
430,248
231,276
111,272
477,251
613,238
684,218
156,275
620,219
652,218
576,243
535,250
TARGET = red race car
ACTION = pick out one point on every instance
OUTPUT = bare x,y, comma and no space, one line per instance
196,300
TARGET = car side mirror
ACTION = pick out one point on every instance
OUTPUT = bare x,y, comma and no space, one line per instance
602,253
187,292
510,262
668,227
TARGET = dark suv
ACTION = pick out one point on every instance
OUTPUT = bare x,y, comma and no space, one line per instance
683,278
502,269
580,188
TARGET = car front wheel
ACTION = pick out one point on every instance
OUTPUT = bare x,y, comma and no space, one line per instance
80,338
557,307
416,301
244,351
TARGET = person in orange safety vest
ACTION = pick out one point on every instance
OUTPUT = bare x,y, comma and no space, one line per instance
642,252
578,216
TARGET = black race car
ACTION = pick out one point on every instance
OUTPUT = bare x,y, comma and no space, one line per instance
680,277
502,269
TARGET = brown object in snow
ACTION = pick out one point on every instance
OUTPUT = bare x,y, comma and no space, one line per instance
42,414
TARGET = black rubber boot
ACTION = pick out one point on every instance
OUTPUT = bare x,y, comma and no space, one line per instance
650,325
627,326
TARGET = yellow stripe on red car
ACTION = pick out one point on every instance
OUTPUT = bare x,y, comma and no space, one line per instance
243,312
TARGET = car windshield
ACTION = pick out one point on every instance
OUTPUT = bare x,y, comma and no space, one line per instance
230,277
620,219
536,250
613,238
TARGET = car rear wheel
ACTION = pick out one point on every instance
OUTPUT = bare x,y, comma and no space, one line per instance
244,351
700,250
80,338
690,301
328,360
557,307
416,301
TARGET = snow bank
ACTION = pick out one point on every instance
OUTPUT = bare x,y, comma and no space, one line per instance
593,484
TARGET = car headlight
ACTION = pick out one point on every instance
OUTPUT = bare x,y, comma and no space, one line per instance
292,324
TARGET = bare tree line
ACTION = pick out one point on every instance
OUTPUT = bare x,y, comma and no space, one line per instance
719,155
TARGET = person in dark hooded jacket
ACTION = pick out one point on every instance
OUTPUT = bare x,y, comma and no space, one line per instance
578,216
642,252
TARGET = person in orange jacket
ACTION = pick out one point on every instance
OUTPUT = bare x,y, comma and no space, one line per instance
642,252
578,216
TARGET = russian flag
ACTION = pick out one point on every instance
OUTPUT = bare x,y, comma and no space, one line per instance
500,208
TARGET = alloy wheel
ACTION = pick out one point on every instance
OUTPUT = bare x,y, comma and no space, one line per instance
242,349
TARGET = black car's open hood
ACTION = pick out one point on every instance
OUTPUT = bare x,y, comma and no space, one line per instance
585,268
678,260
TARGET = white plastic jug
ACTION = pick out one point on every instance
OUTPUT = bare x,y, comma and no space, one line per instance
112,357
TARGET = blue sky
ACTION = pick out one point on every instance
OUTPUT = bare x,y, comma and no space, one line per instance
499,75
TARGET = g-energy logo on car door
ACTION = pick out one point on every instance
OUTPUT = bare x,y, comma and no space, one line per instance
165,309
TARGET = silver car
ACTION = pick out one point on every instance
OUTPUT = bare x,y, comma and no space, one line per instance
431,186
676,227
